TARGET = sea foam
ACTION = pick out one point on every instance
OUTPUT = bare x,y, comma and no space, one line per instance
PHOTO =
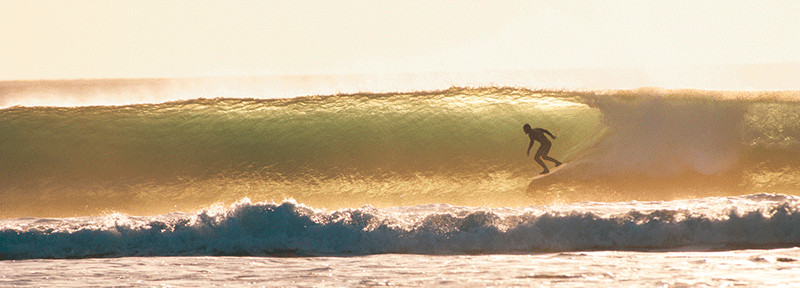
293,229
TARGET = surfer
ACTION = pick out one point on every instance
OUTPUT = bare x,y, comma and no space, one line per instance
538,134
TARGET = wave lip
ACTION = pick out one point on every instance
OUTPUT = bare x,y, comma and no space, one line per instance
292,229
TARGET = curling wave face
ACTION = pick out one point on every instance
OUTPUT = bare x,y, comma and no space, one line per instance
461,146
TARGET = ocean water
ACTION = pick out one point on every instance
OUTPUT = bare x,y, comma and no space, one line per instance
427,188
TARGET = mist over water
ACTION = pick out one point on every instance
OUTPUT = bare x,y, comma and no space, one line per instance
462,146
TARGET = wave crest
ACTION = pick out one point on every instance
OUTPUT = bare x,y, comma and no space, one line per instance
294,229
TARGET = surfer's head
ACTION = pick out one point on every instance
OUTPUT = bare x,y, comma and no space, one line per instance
526,128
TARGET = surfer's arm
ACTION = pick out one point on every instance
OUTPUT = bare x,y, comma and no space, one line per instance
529,148
548,133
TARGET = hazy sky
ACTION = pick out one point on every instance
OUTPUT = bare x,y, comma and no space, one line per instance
114,39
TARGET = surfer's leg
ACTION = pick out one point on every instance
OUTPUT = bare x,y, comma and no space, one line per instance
548,158
539,160
542,153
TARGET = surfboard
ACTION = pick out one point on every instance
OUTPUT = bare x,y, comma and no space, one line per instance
552,170
538,181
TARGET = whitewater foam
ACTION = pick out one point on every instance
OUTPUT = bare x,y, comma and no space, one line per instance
293,229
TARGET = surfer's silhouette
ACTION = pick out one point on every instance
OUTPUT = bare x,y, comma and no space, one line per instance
538,134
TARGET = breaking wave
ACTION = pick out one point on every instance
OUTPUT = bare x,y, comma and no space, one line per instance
461,146
292,229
